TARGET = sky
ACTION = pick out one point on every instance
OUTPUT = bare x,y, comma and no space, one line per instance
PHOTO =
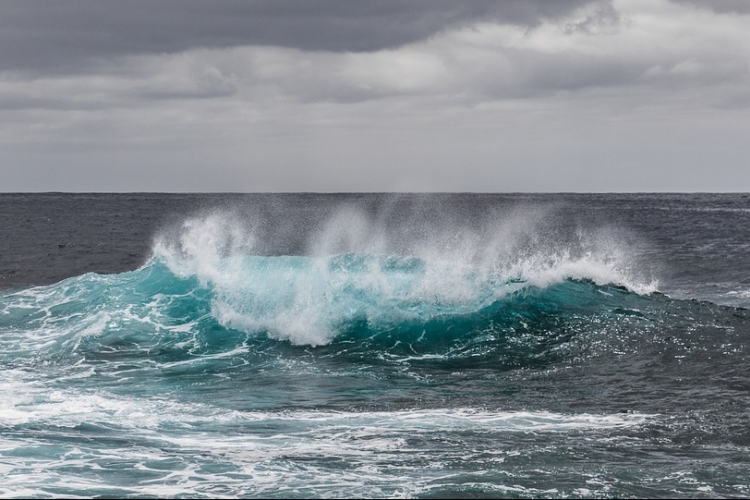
375,95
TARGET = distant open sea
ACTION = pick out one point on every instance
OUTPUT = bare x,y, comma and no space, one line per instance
375,345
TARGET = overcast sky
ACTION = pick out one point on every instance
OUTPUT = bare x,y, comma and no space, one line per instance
375,95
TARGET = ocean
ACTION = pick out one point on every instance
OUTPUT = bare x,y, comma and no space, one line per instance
374,345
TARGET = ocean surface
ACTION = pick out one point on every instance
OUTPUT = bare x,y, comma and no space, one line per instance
375,345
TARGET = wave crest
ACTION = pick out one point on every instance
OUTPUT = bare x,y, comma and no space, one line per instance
359,269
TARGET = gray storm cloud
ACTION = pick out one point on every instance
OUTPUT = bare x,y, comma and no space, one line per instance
41,36
374,96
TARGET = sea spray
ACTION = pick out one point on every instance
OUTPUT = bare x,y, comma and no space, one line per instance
357,268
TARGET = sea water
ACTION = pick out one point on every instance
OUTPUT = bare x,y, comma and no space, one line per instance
374,345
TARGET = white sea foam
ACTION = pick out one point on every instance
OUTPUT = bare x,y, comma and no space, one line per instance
173,448
30,401
413,270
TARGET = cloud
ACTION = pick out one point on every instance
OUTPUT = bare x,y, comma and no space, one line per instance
659,49
541,94
53,37
719,6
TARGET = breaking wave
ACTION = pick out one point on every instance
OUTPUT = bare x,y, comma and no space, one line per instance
507,297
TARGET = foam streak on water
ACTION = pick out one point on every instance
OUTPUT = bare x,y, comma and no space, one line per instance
169,448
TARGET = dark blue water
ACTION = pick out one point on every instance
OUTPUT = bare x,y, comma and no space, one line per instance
374,345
